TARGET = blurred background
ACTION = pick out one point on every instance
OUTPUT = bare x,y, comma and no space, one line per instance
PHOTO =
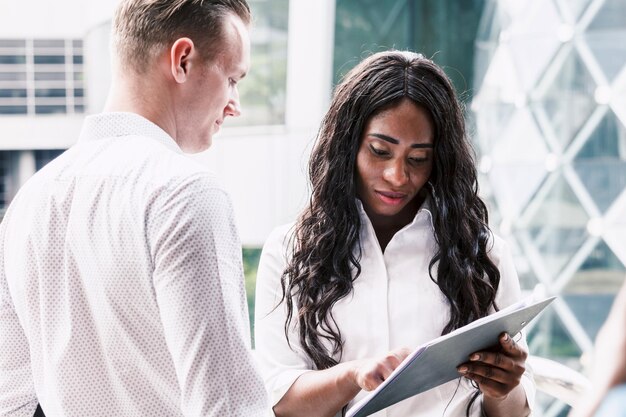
543,83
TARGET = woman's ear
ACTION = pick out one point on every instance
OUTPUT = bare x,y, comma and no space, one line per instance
180,59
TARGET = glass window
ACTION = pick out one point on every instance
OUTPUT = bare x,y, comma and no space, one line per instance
50,92
568,102
442,30
49,59
49,76
601,162
12,43
12,92
12,76
49,43
12,59
78,59
49,109
13,109
79,92
592,288
43,156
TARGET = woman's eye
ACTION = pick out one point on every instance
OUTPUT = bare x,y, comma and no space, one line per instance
378,152
419,160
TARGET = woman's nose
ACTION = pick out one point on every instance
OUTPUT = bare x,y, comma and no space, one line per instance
396,174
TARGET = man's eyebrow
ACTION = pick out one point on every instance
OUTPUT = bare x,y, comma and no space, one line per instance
396,141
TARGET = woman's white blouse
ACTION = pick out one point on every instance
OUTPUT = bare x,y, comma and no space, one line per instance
394,304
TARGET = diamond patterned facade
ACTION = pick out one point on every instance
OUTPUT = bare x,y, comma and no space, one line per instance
550,113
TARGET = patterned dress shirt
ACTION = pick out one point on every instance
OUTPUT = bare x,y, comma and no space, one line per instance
121,285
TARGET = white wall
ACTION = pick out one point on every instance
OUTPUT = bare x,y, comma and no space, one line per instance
52,19
263,170
39,132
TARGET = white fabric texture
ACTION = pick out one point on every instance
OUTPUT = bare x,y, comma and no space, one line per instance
121,285
394,304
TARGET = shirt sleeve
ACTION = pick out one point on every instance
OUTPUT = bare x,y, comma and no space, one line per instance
509,292
198,281
17,391
281,362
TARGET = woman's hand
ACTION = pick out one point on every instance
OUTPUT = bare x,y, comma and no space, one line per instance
368,374
497,373
324,393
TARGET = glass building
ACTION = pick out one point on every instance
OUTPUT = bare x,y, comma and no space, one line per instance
551,116
41,76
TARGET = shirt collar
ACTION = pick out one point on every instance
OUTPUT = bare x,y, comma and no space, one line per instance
117,124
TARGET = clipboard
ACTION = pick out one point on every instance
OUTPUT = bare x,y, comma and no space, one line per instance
434,363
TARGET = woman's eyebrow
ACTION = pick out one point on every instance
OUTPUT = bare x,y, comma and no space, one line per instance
396,141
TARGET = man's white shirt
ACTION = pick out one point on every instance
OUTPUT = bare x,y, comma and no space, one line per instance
121,289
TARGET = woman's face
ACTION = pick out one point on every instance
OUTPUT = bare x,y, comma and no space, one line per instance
393,162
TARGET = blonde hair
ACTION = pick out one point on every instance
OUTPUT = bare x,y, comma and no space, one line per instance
142,28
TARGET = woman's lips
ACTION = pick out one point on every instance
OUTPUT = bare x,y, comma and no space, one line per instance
390,197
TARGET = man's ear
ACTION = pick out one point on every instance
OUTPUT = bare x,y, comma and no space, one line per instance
180,59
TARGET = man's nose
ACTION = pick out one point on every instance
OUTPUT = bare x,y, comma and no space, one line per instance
233,108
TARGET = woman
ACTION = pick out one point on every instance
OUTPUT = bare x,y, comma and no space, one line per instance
392,251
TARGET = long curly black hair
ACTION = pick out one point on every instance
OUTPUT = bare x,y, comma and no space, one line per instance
325,243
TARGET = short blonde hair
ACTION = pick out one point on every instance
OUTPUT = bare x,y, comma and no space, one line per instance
142,27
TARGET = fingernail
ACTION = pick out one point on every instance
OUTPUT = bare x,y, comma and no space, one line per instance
475,357
506,337
463,369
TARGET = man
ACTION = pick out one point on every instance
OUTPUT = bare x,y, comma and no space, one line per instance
121,288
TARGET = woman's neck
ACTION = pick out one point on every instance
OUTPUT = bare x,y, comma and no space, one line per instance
386,227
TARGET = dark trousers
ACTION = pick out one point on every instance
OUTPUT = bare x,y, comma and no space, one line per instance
39,412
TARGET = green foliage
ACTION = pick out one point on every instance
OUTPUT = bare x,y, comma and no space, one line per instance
250,264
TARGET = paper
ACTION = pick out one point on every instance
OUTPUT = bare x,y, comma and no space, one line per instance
434,363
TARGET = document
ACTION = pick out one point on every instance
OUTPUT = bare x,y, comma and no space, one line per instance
434,363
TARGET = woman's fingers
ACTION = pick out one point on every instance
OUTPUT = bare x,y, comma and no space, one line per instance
372,372
497,373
